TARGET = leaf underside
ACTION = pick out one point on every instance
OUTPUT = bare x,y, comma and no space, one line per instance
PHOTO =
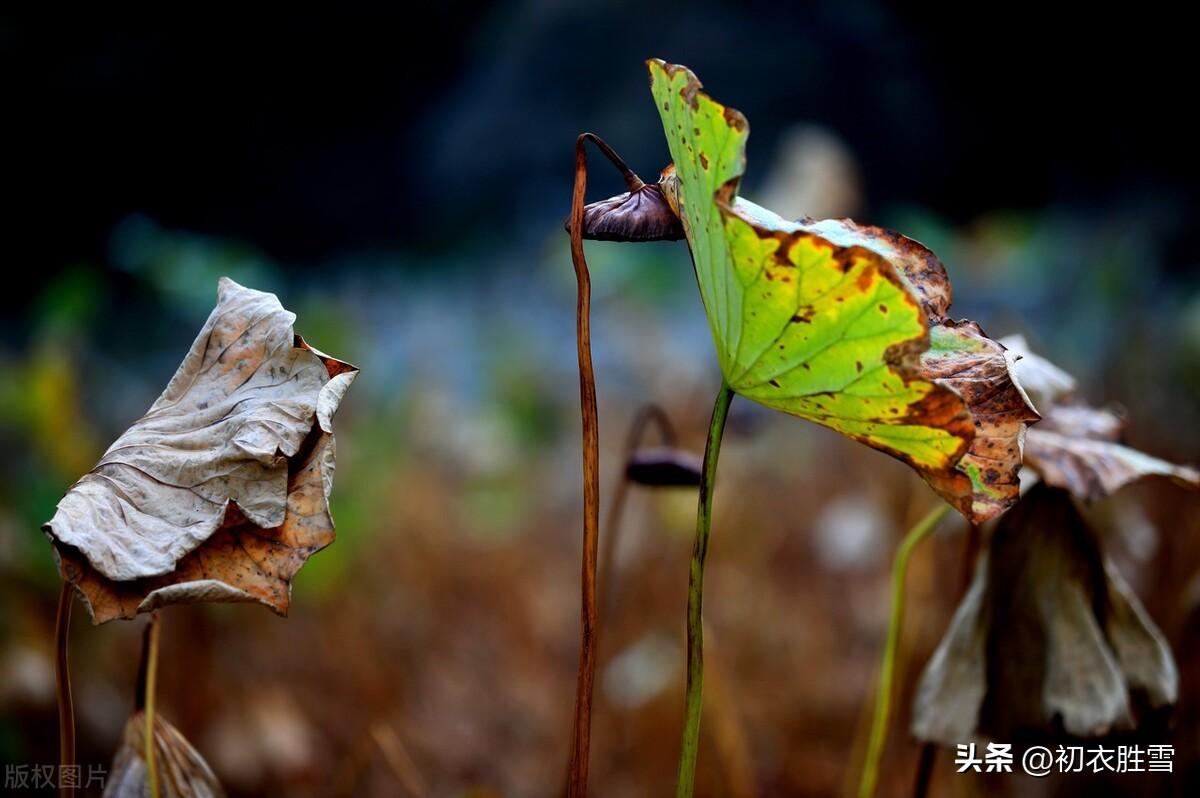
831,321
1047,636
220,492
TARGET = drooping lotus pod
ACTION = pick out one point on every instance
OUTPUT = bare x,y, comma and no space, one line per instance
1048,638
664,466
182,772
220,491
839,323
641,214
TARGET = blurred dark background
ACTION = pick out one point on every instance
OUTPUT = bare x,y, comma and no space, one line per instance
310,138
400,181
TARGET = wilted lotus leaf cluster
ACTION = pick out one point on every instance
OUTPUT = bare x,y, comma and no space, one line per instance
220,492
1077,447
1049,637
839,323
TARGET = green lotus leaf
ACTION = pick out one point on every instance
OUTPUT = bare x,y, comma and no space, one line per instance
831,321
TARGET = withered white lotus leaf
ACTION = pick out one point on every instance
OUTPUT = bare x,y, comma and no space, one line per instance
1082,421
220,492
961,356
1046,383
182,772
1077,448
952,687
1047,639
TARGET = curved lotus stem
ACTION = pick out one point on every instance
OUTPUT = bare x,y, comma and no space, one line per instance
650,414
887,669
585,680
62,682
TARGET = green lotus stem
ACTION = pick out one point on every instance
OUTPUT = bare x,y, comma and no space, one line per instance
151,685
887,669
695,612
62,683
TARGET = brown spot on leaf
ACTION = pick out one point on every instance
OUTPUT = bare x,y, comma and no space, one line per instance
805,316
865,278
735,119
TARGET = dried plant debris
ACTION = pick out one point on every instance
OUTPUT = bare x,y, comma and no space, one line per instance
1045,383
220,492
182,772
1078,447
839,323
1048,639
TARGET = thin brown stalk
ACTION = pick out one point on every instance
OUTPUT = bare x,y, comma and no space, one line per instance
62,680
925,762
396,755
149,695
586,676
577,776
970,554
